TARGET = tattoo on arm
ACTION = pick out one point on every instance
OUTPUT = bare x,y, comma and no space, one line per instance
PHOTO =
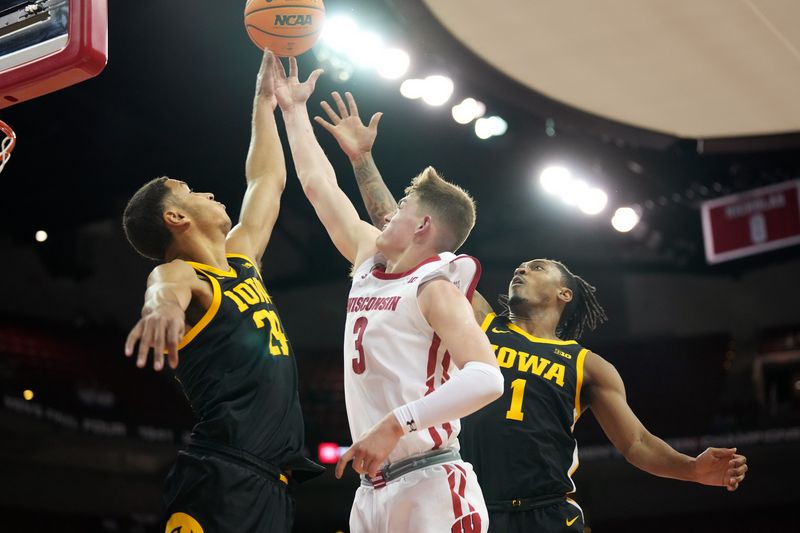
377,198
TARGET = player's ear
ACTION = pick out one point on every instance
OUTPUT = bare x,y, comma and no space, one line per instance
424,226
174,217
565,294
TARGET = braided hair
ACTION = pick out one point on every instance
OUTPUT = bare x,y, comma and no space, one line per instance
583,311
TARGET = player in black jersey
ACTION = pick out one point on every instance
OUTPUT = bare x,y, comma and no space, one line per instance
237,367
521,445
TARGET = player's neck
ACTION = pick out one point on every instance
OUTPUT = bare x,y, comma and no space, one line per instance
200,249
539,323
408,259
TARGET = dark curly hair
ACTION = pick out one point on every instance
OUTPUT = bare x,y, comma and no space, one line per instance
143,220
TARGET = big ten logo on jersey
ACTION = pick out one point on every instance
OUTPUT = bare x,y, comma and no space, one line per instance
251,292
525,362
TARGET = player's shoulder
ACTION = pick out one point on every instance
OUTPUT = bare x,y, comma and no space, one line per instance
173,271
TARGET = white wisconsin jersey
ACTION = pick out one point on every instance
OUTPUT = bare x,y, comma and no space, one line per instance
391,354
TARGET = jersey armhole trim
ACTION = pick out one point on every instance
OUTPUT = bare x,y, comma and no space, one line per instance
216,300
474,282
231,273
488,321
249,259
579,383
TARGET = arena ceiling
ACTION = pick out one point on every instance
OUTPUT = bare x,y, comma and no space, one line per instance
716,68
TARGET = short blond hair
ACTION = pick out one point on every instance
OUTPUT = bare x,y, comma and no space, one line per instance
450,205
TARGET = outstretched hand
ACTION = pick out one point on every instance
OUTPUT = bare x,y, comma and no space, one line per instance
289,91
721,467
354,138
265,81
158,330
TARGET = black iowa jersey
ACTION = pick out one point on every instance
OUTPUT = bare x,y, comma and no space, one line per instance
521,445
238,371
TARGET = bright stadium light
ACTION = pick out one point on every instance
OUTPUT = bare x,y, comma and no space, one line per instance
593,201
41,236
555,179
340,33
412,88
468,110
393,63
437,90
368,51
490,127
574,192
625,219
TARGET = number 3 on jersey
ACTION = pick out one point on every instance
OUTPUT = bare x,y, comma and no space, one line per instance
277,340
360,362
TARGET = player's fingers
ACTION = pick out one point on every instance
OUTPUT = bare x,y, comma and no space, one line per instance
373,122
144,344
373,467
292,67
174,335
351,103
313,77
340,105
280,70
133,336
738,460
722,453
330,112
328,126
738,471
359,460
342,462
158,346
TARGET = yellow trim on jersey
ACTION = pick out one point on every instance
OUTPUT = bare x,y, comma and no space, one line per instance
246,258
231,273
579,383
517,329
283,479
216,300
487,321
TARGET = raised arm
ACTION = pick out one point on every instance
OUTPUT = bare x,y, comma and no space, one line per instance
265,170
169,292
354,238
721,467
356,141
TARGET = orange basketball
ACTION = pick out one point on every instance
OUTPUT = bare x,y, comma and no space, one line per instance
287,27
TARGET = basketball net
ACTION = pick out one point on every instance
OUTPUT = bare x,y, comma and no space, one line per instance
7,144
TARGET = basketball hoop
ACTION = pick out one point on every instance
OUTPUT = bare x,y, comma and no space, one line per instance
7,144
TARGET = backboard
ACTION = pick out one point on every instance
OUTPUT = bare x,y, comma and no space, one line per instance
46,45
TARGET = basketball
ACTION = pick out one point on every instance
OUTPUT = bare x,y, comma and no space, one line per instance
287,27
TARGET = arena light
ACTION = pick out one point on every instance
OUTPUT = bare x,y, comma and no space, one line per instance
393,63
413,88
367,53
468,110
41,236
340,33
328,453
437,90
574,192
555,179
593,202
27,394
490,127
625,219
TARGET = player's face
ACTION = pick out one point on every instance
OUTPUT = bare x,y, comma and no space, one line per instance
399,228
536,282
200,206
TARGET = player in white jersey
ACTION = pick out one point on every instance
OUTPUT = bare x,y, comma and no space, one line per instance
416,361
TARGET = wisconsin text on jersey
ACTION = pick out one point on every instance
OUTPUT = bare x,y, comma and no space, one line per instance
374,303
535,364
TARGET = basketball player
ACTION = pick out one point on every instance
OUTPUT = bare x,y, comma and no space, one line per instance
409,330
236,365
522,445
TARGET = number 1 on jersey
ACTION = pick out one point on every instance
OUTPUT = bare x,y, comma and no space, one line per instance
515,412
360,362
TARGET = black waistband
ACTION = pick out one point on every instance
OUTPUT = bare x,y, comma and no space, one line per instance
240,457
525,504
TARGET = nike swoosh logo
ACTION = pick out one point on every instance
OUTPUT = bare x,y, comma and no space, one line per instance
570,522
495,330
